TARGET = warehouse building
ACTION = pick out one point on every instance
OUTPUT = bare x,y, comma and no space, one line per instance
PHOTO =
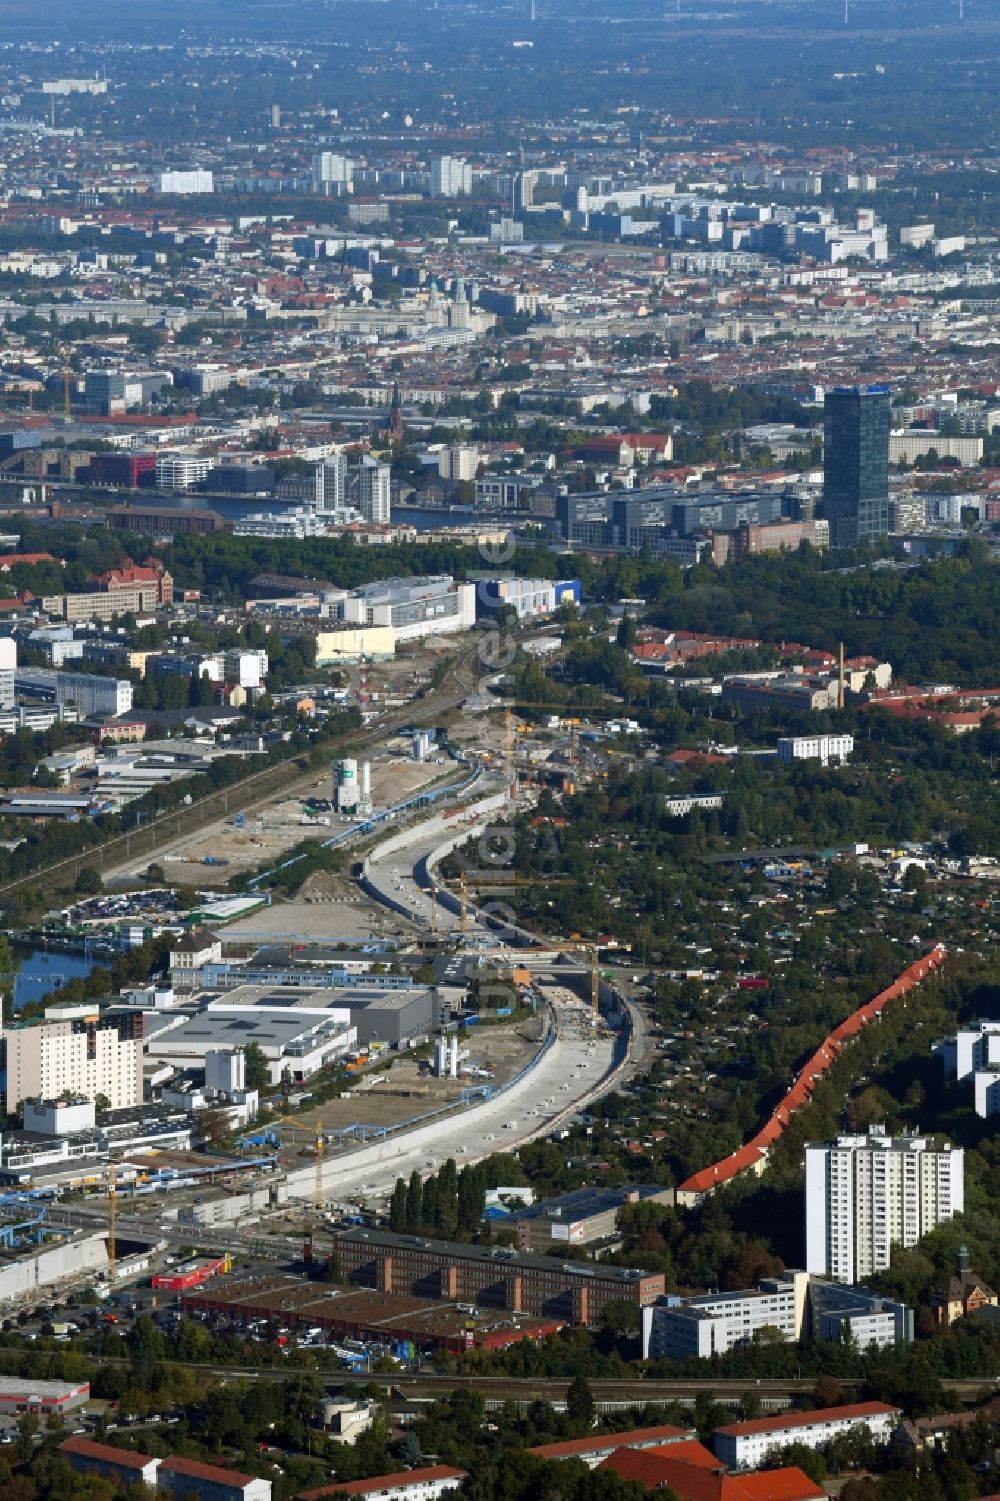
25,1394
301,1042
490,1276
577,1218
414,607
403,1322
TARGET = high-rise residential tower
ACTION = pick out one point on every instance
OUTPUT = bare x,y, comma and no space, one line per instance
866,1194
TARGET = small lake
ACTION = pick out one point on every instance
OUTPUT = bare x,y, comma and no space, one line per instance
42,970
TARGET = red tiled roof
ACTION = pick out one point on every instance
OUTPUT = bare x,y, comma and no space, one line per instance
703,1478
88,1449
848,1412
750,1154
382,1482
198,1471
663,1432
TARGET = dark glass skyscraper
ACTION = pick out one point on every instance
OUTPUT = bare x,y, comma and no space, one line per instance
856,463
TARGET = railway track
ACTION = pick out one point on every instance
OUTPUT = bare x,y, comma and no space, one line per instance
634,1392
241,797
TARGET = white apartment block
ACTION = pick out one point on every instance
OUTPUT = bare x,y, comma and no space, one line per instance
75,1049
917,444
248,668
329,166
680,807
825,748
974,1053
331,482
186,182
745,1446
866,1194
450,176
459,461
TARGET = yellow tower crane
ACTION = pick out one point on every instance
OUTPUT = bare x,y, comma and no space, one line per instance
320,1142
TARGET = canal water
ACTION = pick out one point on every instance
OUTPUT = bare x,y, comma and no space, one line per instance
42,970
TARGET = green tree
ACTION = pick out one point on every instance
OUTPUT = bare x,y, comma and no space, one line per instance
257,1073
580,1407
414,1203
397,1208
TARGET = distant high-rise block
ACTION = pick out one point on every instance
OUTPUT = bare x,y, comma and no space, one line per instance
375,487
450,177
856,463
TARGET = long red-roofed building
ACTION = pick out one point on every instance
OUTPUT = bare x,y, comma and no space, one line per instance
752,1156
424,1484
596,1448
696,1475
190,1480
745,1445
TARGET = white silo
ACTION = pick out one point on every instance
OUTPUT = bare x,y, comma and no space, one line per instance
345,785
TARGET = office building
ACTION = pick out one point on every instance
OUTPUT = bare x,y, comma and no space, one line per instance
676,1328
375,491
190,1480
181,472
856,463
331,482
492,1276
248,668
451,177
973,1055
78,1051
744,1446
89,693
866,1194
185,183
104,392
798,1307
825,748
